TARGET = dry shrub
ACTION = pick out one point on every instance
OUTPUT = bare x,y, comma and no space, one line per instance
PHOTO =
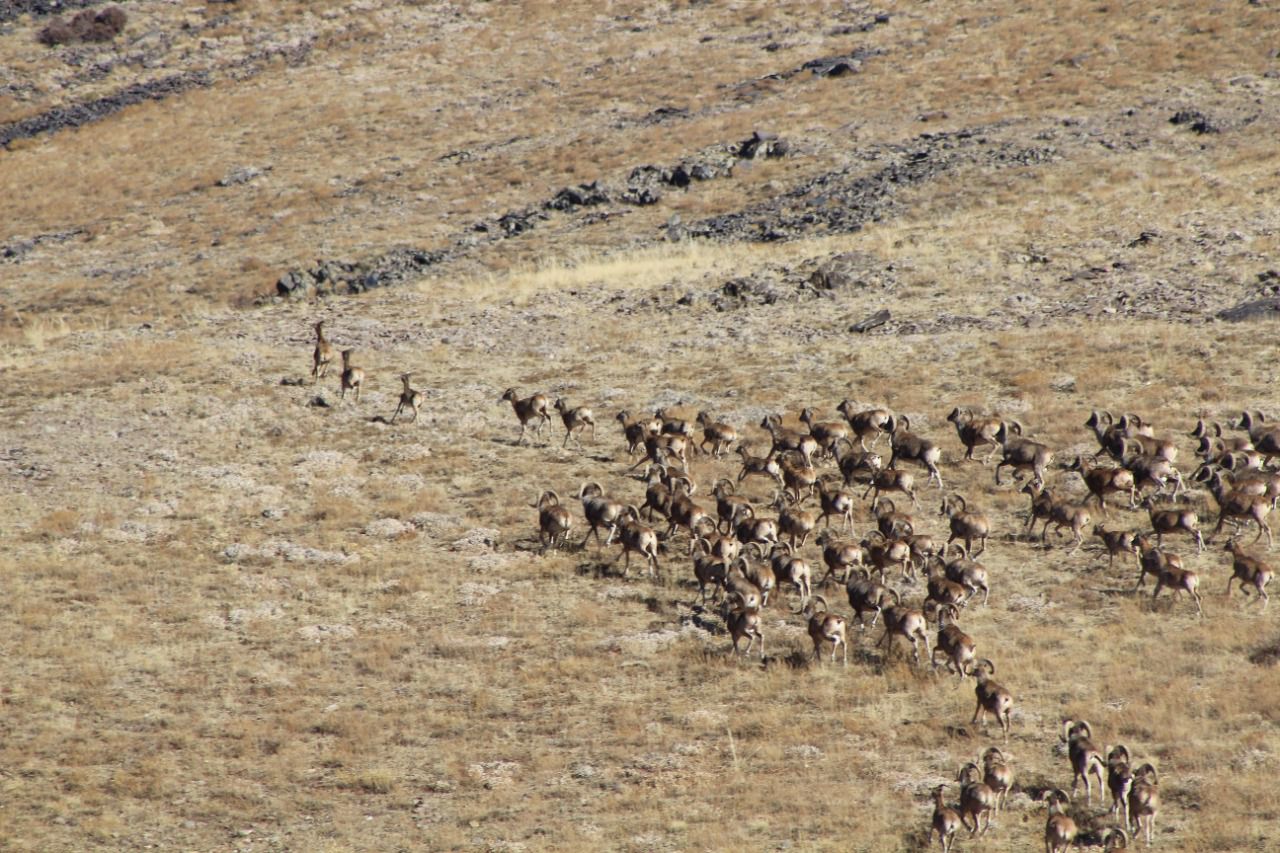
86,26
59,523
56,32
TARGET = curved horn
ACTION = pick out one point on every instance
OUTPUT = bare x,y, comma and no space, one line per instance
596,488
725,482
706,545
964,504
906,422
893,507
993,751
748,547
1203,474
825,607
1112,834
987,662
897,599
1149,769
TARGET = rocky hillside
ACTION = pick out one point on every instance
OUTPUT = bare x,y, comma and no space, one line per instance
245,611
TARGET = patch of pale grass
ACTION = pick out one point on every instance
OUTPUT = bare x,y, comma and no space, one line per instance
646,267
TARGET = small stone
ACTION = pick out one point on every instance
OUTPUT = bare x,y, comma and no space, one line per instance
242,175
840,272
1257,309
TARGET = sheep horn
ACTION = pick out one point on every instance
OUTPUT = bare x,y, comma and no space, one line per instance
1111,834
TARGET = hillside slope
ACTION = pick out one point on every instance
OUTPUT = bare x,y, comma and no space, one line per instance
245,613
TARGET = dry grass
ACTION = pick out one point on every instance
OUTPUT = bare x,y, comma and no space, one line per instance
535,121
236,620
368,683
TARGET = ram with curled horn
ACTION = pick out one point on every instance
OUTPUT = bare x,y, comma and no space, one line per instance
998,775
1119,781
976,799
825,627
965,523
1060,830
1084,756
992,698
599,512
1144,801
554,521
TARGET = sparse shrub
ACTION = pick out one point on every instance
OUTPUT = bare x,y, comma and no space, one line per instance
88,26
114,17
82,22
56,32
